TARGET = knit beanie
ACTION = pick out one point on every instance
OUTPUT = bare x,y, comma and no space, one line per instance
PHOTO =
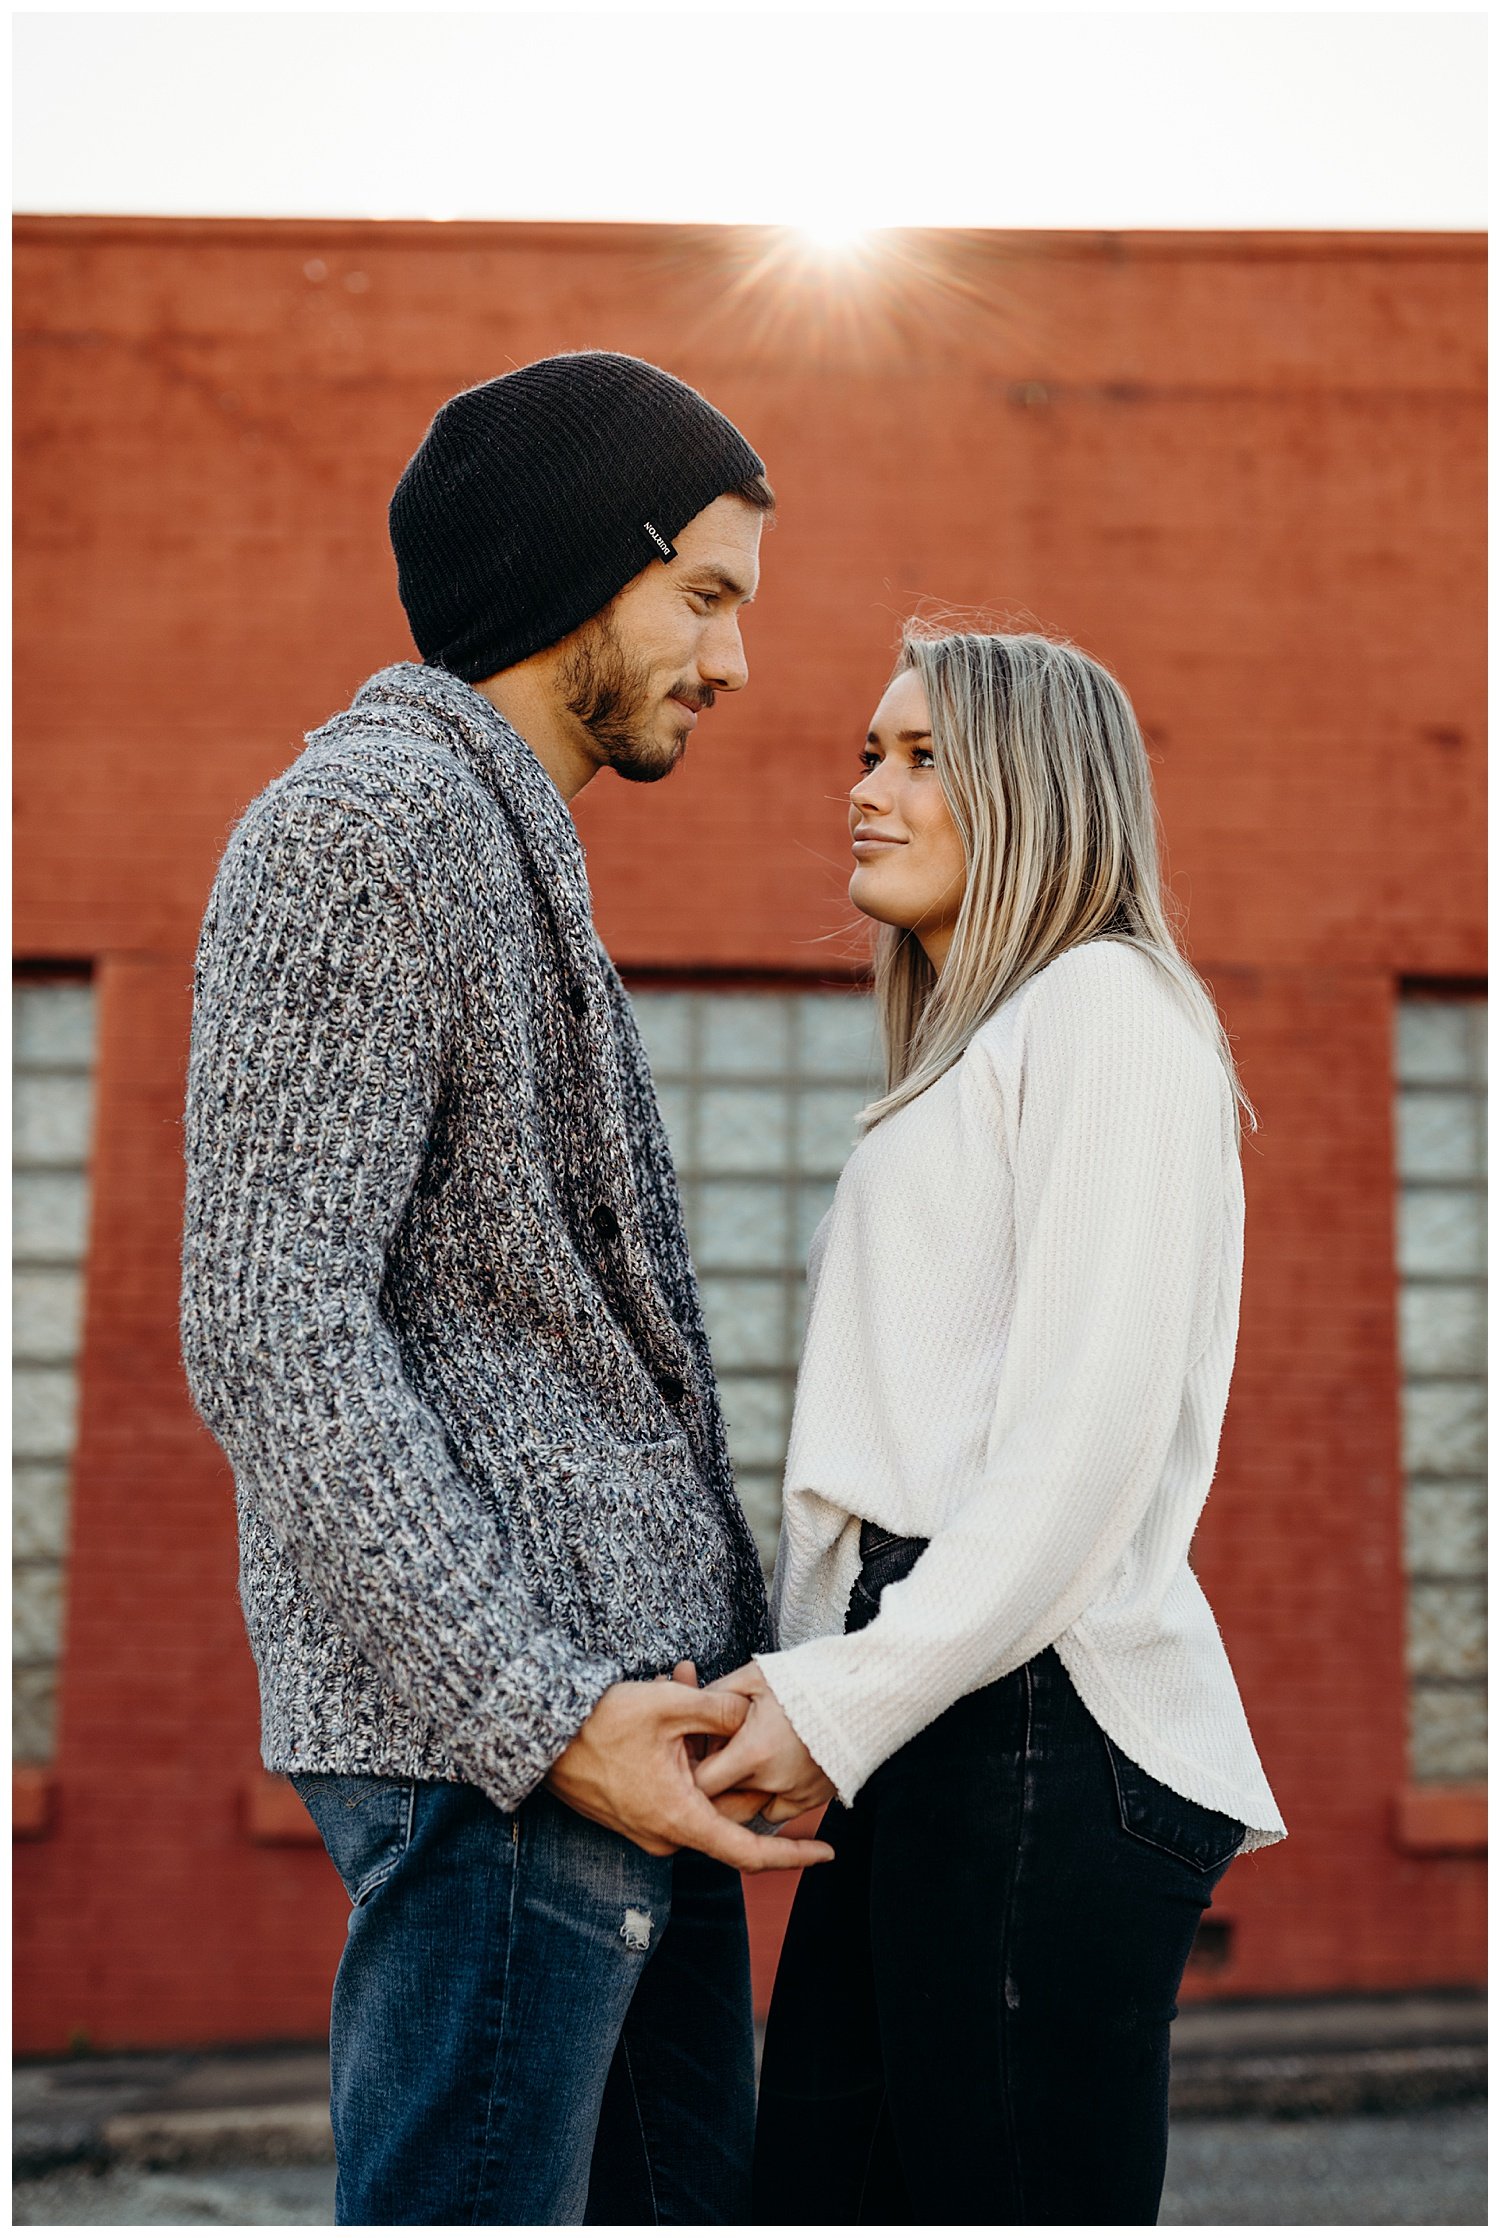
534,498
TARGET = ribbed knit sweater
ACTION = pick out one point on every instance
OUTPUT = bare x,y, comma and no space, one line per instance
437,1302
1021,1327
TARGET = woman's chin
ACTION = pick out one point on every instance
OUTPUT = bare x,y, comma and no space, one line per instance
867,901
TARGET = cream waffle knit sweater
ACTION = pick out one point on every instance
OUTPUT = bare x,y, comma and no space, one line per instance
1021,1327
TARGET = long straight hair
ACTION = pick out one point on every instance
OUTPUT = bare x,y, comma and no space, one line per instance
1045,772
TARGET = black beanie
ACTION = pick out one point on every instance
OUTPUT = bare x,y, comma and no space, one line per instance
534,498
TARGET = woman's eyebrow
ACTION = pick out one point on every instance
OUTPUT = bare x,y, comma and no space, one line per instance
903,737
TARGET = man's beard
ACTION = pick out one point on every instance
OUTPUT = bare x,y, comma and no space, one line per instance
610,695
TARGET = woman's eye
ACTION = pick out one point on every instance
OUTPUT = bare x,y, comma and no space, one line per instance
867,759
922,757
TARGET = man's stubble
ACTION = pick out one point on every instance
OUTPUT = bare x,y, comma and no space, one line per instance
609,692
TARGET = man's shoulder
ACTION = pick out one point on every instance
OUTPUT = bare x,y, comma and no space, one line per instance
369,781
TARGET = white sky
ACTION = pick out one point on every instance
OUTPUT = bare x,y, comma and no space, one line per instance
833,119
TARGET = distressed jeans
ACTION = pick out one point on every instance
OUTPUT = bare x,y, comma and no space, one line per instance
971,2016
533,2021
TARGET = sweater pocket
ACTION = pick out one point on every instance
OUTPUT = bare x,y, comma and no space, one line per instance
629,1549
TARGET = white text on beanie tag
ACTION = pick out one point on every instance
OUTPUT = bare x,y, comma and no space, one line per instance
667,551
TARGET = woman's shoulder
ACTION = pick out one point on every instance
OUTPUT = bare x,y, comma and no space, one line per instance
1105,1006
1100,974
1105,980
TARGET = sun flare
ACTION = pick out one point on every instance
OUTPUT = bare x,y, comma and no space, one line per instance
833,234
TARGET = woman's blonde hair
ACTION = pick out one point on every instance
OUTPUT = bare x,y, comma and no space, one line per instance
1044,769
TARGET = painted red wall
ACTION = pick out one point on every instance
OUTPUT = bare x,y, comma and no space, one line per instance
1245,470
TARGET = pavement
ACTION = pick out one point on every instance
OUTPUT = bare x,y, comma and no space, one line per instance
1370,2108
1362,2171
1359,2171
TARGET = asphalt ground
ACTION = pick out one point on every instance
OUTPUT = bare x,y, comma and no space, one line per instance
1371,2169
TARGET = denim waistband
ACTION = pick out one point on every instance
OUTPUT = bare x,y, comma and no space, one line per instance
875,1540
885,1558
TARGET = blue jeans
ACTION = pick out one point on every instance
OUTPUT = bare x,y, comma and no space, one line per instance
533,2021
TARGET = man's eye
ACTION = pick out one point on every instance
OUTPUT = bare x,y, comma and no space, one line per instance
707,598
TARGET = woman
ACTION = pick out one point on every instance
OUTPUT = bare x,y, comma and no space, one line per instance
992,1649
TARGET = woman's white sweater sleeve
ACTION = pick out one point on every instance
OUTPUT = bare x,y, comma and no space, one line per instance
1116,1136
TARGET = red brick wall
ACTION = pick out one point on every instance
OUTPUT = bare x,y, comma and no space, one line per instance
1245,470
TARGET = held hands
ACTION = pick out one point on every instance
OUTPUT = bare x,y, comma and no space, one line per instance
763,1756
631,1765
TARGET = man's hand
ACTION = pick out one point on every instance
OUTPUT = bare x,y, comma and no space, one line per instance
630,1768
764,1755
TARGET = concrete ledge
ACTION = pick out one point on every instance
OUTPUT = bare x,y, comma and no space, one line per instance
260,2136
267,2106
1310,2085
1296,2058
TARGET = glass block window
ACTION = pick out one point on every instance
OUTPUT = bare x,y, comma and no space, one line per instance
52,1111
1440,1147
759,1094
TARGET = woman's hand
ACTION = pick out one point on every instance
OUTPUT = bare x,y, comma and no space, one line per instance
745,1806
628,1767
765,1756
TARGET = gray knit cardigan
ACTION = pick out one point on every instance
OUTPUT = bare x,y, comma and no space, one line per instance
437,1302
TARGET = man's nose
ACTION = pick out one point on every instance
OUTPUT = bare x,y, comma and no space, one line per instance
722,663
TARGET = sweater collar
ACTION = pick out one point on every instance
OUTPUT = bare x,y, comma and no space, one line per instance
444,708
444,711
430,704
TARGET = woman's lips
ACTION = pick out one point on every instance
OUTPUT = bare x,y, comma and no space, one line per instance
871,839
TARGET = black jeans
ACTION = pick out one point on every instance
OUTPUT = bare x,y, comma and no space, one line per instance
971,2016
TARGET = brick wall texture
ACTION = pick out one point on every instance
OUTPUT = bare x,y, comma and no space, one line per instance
1245,470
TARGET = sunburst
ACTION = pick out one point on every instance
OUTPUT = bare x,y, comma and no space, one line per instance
833,293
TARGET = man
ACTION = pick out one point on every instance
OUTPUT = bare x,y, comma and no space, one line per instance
438,1308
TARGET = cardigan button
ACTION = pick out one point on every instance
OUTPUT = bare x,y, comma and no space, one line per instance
671,1390
577,1001
604,1223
